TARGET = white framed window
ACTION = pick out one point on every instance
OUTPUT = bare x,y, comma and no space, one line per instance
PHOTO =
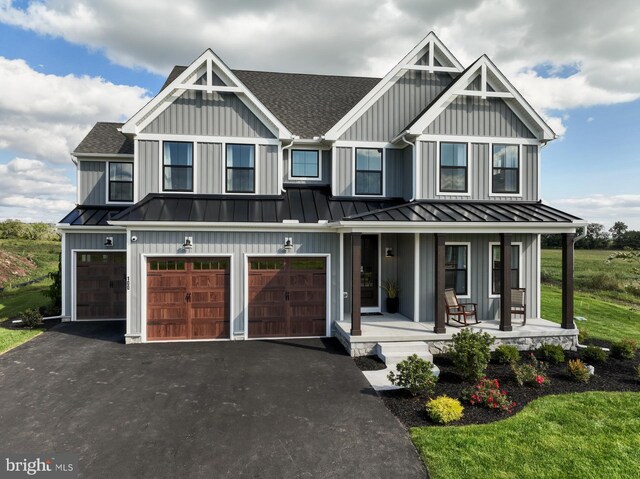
369,177
505,170
120,182
177,166
453,168
240,168
495,265
305,165
457,268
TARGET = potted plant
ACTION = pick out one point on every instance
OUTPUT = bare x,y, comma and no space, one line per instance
391,288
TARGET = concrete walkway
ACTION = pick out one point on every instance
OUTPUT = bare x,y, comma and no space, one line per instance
268,409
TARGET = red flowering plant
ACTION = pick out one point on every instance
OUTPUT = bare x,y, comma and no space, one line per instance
487,393
532,373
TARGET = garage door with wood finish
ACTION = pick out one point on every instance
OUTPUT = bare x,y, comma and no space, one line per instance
287,297
101,285
188,298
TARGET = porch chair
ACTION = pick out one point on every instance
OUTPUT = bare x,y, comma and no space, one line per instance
519,303
457,311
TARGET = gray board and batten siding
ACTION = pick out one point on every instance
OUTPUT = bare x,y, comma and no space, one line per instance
394,172
84,242
92,183
399,105
224,243
479,174
479,268
209,170
214,114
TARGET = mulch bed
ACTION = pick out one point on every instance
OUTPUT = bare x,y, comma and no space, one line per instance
613,375
369,363
8,324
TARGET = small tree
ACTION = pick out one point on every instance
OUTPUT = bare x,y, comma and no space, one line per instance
632,257
617,231
55,290
471,353
597,237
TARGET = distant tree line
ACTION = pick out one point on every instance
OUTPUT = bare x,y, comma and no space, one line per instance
618,237
16,229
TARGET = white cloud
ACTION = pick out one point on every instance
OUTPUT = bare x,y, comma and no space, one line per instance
604,209
46,116
603,44
34,191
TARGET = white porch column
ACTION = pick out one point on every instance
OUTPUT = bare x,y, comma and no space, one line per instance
416,277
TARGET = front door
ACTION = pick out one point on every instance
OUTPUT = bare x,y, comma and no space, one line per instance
369,281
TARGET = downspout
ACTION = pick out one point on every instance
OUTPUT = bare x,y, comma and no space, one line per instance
414,160
280,181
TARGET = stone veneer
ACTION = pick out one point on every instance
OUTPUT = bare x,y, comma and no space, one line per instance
568,343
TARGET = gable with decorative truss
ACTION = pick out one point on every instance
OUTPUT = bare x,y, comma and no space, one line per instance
198,101
481,102
401,95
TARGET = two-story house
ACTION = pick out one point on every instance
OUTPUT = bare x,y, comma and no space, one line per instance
243,204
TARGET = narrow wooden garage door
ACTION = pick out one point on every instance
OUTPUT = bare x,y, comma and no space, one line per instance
287,297
187,298
101,285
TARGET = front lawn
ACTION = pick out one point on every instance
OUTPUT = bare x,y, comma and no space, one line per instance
14,301
605,320
591,434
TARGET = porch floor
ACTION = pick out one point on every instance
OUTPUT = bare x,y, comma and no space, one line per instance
396,327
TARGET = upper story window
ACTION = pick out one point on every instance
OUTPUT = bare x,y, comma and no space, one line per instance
506,169
453,168
496,265
368,171
120,182
241,169
305,164
178,166
456,265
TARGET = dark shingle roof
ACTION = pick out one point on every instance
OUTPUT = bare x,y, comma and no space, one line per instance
305,204
105,138
91,215
308,105
468,212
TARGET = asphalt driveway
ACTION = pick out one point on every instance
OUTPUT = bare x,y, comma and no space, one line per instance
267,409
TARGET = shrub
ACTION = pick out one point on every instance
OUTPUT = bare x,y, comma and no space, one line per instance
531,373
625,349
471,353
31,318
593,355
583,335
601,281
633,288
552,353
414,374
444,409
578,371
487,393
506,354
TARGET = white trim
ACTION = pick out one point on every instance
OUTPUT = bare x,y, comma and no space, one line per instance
209,89
128,282
136,171
341,279
256,158
468,245
196,169
207,139
144,257
417,162
538,172
416,277
421,227
539,285
78,182
520,246
431,69
334,172
63,273
478,139
328,305
210,60
374,309
98,156
161,168
469,171
107,177
383,166
535,123
74,276
290,176
520,193
430,41
367,144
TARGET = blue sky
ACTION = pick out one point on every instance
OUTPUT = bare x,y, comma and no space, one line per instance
65,64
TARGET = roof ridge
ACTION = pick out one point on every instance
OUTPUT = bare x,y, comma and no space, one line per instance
308,74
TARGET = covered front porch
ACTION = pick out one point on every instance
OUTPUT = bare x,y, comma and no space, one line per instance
394,328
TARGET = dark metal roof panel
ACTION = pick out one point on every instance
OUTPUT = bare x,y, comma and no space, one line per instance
91,215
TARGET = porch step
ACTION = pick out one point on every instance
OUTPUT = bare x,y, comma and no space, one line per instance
393,353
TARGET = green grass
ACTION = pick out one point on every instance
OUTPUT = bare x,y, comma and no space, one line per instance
43,253
575,435
605,320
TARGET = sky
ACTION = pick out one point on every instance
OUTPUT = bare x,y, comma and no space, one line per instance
65,64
